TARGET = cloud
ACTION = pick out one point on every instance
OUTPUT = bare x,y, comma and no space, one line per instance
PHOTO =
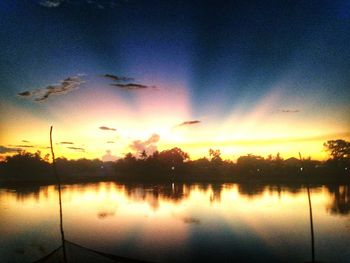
133,86
25,94
108,157
66,143
153,139
127,86
117,78
148,145
98,4
76,149
51,3
288,111
110,141
185,123
105,128
4,149
25,141
67,85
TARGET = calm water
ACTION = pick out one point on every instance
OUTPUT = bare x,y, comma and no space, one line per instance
179,222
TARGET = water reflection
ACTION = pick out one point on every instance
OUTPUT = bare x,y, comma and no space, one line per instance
340,199
178,222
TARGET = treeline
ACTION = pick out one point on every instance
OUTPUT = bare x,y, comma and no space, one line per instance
175,165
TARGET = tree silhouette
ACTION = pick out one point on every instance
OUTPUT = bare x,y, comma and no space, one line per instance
143,155
250,161
338,149
215,156
173,156
25,164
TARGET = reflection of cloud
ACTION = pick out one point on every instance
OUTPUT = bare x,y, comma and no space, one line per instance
108,157
191,220
117,78
185,123
105,128
133,86
104,214
148,145
4,149
67,85
76,149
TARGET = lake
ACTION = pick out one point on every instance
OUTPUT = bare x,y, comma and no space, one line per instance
179,222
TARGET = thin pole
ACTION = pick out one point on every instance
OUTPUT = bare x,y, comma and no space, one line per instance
59,197
311,220
311,226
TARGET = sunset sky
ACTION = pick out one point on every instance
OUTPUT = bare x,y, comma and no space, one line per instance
244,77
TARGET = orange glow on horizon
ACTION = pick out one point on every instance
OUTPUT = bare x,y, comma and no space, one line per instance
77,118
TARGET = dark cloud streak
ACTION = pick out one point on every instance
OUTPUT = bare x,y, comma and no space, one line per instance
133,86
66,143
76,148
186,123
117,78
51,3
4,149
98,4
25,94
288,111
105,128
67,85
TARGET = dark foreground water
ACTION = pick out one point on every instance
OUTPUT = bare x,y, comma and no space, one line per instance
179,222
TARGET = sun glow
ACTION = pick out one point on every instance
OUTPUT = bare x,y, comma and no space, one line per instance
261,130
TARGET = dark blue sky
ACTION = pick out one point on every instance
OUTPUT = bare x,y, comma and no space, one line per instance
230,56
227,49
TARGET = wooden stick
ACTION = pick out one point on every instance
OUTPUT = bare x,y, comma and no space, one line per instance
59,198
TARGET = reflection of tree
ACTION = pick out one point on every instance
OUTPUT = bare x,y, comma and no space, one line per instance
154,193
27,192
216,193
340,199
251,189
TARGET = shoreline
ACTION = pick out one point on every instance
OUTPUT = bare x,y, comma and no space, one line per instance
87,179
